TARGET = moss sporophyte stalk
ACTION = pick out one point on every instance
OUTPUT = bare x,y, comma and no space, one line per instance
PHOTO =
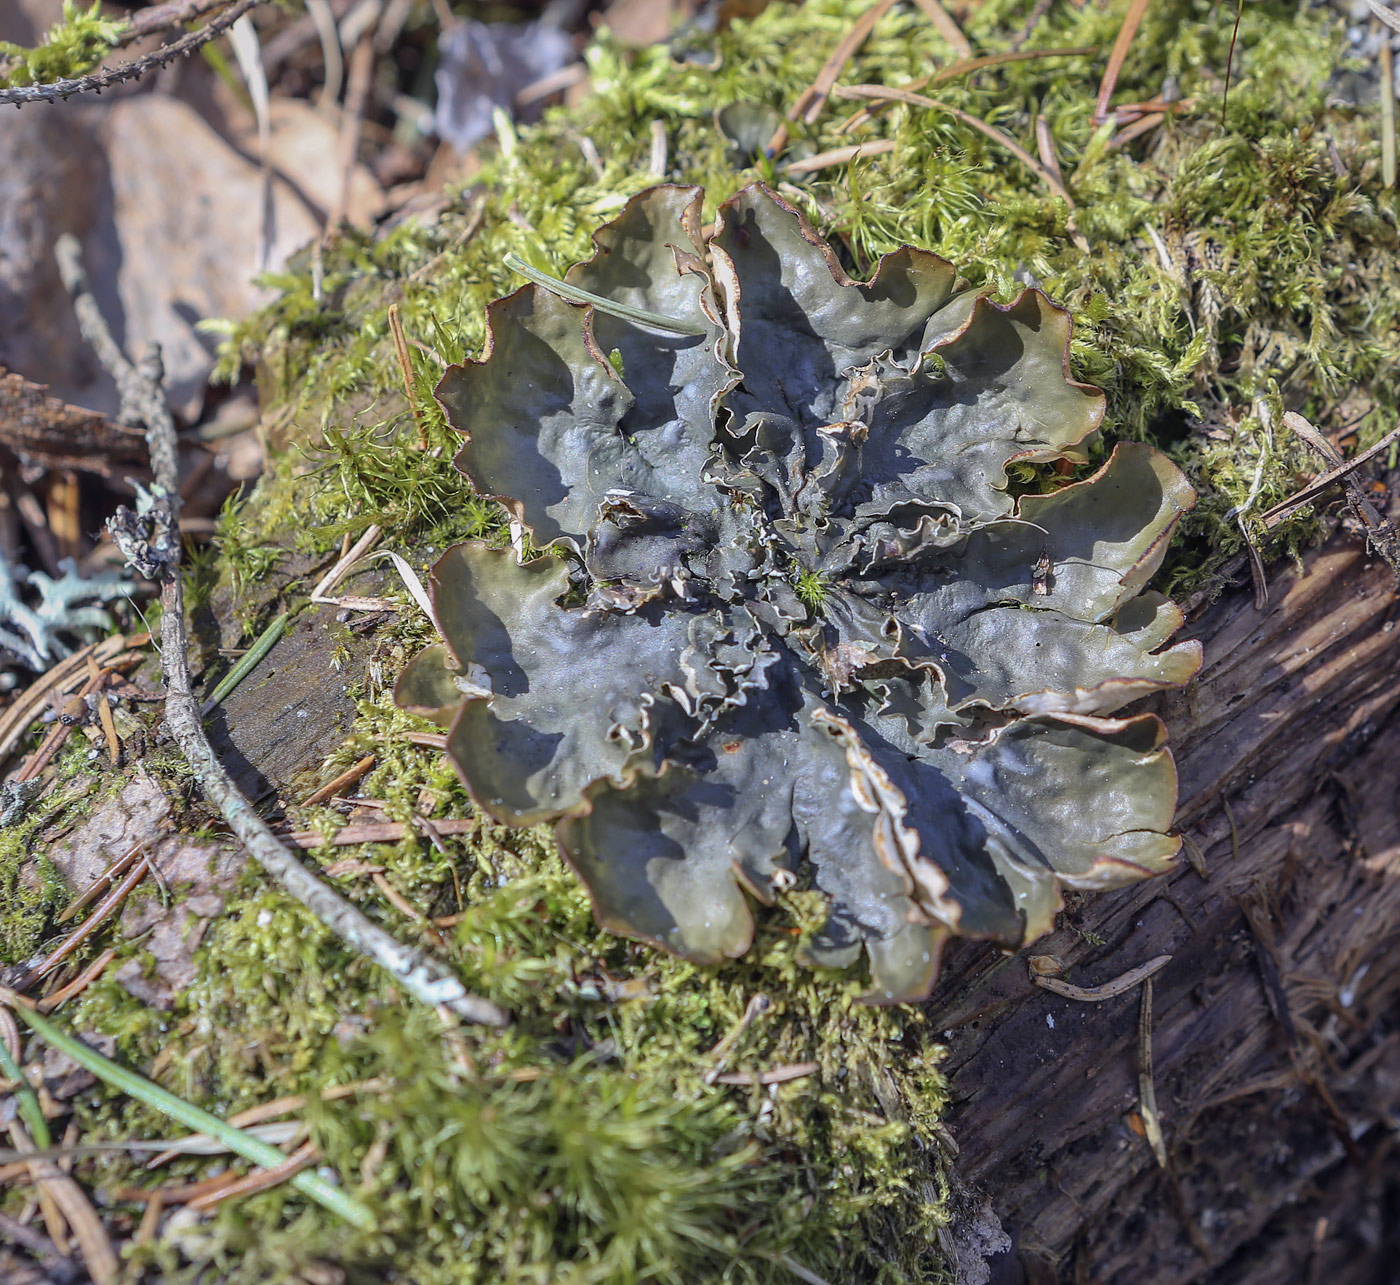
800,629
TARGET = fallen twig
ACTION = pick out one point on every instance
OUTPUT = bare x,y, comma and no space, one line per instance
375,832
429,740
1380,532
719,1055
945,26
778,1075
259,1179
60,732
1143,125
264,1111
89,926
80,983
60,680
1391,20
166,17
250,1148
990,131
1272,517
76,1209
104,713
95,889
106,77
840,155
154,536
324,586
334,787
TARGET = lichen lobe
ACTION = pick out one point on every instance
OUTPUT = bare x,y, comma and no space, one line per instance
793,625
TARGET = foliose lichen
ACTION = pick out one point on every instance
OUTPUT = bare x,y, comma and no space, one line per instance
792,624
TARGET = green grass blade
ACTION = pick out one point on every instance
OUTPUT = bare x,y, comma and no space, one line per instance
574,294
261,1153
247,661
26,1100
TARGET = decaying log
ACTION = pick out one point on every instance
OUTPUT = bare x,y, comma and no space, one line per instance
1276,1025
51,433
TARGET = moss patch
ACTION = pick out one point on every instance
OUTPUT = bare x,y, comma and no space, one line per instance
71,47
1229,267
1232,272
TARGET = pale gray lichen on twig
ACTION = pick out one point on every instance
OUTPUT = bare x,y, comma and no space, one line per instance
153,533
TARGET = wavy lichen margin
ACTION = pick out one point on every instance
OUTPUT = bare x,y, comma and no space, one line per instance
926,731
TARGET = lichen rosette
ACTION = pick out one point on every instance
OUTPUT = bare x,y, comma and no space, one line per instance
791,626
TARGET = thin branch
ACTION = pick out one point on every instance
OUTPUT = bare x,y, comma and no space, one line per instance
1391,20
89,926
153,536
946,27
840,155
164,17
958,69
1147,1088
106,77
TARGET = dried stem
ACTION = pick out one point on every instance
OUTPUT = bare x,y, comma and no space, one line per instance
1118,55
424,978
163,17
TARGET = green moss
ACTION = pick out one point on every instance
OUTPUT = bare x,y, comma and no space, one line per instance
31,889
1232,273
811,589
582,1144
72,47
1223,263
26,891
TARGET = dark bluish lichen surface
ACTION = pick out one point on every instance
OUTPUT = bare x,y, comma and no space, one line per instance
792,625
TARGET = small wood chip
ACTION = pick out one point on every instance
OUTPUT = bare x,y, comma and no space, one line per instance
778,1075
346,778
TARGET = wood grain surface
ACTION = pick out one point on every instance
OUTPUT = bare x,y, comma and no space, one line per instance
1276,1029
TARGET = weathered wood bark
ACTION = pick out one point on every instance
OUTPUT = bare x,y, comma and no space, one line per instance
1276,1030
